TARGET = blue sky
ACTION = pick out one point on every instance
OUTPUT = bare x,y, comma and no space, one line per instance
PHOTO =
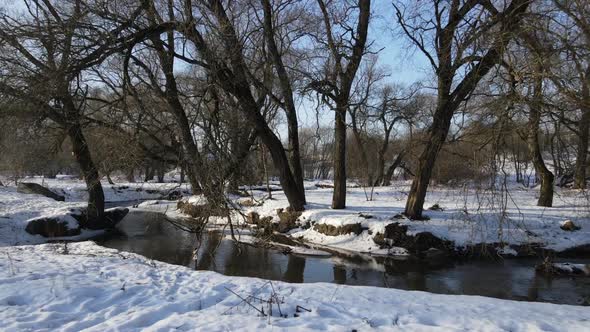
404,63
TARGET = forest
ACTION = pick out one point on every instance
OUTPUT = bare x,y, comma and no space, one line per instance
441,131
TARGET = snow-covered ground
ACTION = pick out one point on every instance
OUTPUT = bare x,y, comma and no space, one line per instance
468,216
83,286
17,209
75,189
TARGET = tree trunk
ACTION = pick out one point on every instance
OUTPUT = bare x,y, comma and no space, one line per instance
437,135
582,155
95,210
295,196
160,173
363,152
546,192
149,174
379,177
295,153
391,169
236,83
557,170
130,175
265,169
182,174
197,173
289,103
111,182
339,196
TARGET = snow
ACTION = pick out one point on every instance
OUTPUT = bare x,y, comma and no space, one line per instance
75,190
17,209
572,268
470,216
82,286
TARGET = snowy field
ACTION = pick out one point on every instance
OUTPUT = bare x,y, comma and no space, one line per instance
86,287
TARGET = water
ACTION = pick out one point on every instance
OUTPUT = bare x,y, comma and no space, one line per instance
148,234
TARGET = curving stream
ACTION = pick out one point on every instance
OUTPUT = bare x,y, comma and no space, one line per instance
150,235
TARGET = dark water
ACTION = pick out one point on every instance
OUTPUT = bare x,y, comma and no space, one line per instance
150,235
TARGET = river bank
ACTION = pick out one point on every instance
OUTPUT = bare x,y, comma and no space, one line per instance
77,286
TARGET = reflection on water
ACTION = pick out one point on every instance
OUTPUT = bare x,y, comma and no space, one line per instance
149,235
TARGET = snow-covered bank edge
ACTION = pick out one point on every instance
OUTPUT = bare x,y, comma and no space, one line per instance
522,229
17,210
84,286
469,221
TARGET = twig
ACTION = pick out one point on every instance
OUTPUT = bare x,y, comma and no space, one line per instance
245,300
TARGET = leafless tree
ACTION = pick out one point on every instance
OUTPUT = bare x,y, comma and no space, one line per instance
463,40
45,51
346,44
571,75
216,36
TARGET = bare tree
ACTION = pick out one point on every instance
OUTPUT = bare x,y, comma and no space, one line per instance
225,60
536,105
346,45
274,18
463,40
45,51
572,75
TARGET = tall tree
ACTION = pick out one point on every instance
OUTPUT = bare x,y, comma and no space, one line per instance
346,46
572,74
45,52
273,19
225,59
537,54
462,40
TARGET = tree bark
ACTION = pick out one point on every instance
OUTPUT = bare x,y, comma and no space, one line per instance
343,77
289,103
361,147
95,210
437,135
234,80
182,174
149,174
451,95
109,179
391,169
339,196
582,154
160,172
130,175
545,175
196,171
380,177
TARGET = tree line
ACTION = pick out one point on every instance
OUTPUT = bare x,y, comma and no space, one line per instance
203,85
